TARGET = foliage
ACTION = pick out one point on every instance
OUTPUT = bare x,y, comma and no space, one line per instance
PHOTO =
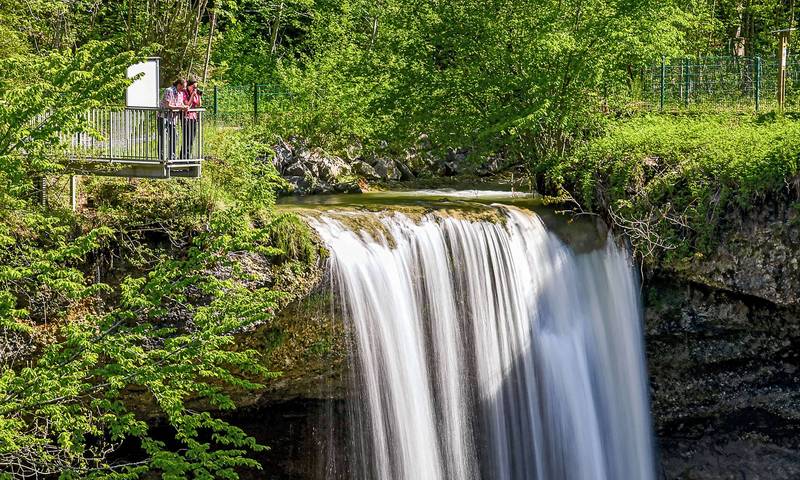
85,353
86,358
44,97
735,27
668,181
256,36
178,26
157,341
75,404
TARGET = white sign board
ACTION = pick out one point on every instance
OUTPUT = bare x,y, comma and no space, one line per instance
143,92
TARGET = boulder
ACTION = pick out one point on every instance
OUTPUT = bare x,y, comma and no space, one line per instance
447,169
299,185
456,155
387,169
296,169
405,172
353,151
453,163
310,160
331,168
364,170
284,156
347,187
490,166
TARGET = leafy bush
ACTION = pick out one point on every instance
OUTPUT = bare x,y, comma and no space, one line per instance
669,180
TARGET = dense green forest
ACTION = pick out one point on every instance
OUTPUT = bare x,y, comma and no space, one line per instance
546,84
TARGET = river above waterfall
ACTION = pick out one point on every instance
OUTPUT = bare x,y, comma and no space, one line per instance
491,337
582,233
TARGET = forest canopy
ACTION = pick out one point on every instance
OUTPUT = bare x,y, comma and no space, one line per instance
532,74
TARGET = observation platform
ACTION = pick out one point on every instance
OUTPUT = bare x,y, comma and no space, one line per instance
138,142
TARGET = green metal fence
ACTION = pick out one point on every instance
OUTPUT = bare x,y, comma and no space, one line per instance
244,102
718,82
673,84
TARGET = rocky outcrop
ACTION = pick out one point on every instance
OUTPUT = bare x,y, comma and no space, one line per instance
725,380
723,349
312,171
758,255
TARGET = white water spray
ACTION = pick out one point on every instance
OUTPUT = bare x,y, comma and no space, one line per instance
490,351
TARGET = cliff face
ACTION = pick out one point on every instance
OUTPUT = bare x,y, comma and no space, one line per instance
723,348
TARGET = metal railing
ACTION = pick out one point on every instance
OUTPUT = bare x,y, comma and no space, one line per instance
147,142
139,135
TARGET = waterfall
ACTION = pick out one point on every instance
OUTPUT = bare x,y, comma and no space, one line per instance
489,350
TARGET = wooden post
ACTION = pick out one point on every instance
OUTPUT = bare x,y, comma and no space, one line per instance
783,53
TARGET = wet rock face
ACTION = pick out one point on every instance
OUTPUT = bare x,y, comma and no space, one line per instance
307,439
723,350
759,254
725,382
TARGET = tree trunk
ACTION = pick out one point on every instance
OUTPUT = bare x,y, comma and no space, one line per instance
275,25
198,19
208,46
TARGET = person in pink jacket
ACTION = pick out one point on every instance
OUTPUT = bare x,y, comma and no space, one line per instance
192,98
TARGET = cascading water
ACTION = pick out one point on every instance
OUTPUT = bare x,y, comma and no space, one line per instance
489,350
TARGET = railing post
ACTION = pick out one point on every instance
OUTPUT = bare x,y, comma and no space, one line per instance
758,82
663,81
201,133
255,103
686,81
215,101
110,136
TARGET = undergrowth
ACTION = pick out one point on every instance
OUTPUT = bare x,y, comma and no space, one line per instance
668,181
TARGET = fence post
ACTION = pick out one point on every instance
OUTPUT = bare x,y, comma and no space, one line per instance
663,82
255,103
758,82
215,101
783,53
686,81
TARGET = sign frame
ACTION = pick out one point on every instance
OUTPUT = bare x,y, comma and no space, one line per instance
144,92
